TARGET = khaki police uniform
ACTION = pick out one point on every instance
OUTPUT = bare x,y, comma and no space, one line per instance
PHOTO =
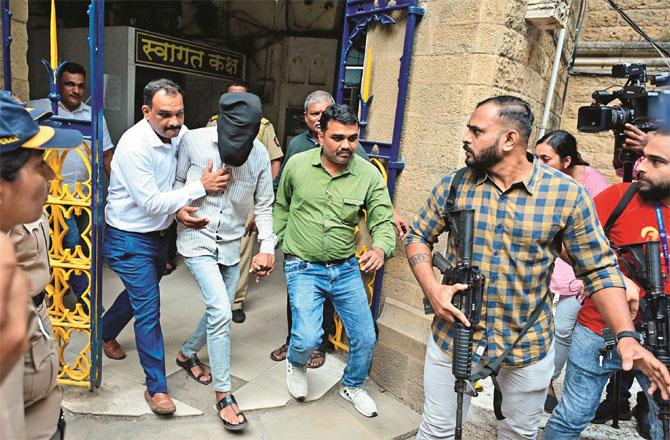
30,394
268,136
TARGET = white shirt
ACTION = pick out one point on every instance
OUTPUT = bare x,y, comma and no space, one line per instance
74,169
140,196
227,211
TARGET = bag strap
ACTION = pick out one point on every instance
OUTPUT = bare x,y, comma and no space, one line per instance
455,183
493,367
620,207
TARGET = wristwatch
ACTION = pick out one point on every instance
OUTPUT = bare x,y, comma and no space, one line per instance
629,334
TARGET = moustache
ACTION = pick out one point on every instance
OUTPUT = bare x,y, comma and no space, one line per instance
468,149
344,151
173,127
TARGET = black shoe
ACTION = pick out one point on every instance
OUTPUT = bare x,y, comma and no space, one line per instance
550,403
605,411
239,316
641,414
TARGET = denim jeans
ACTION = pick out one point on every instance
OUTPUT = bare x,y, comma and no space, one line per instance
565,319
76,224
139,260
584,381
218,284
524,390
309,284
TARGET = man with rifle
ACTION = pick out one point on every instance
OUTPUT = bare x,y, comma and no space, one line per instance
631,213
525,212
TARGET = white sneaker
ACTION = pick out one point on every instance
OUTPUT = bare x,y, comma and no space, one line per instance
296,381
361,400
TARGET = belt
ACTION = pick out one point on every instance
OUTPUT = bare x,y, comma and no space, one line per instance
39,298
325,263
154,234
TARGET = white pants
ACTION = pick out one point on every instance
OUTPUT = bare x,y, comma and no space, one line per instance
524,391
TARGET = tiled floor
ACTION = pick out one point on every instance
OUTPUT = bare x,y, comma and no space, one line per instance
258,382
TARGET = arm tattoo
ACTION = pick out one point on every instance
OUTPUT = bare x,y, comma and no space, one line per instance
419,258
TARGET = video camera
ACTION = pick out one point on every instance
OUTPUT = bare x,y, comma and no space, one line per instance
645,109
639,106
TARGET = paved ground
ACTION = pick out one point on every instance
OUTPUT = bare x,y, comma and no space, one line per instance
118,411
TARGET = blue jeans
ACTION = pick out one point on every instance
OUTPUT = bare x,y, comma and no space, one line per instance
218,284
583,385
139,260
564,324
76,224
309,284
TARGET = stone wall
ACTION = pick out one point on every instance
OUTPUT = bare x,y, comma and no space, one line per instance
465,51
18,50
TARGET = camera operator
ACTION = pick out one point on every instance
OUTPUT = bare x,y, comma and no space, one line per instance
636,140
645,218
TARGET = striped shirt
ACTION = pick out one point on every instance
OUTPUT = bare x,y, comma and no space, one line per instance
227,211
518,235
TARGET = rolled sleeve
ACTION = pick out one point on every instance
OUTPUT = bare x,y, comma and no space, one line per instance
595,263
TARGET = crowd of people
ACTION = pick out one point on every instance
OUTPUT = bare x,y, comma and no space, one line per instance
554,285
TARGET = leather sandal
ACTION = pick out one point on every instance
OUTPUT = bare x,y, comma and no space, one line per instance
279,354
228,401
191,362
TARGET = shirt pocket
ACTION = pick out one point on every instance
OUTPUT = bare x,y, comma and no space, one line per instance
350,210
533,241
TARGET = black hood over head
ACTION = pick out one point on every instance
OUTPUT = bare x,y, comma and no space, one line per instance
237,126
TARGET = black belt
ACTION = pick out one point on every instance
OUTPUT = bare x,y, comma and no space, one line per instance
39,298
325,263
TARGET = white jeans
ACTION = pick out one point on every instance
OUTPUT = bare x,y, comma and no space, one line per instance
524,391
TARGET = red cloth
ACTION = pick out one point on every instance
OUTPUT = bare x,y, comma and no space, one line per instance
636,224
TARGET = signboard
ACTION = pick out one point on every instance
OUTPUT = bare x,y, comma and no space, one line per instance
169,53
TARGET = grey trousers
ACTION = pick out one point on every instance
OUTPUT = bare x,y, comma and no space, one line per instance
524,391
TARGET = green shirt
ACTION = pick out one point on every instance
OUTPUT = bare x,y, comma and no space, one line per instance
303,142
315,214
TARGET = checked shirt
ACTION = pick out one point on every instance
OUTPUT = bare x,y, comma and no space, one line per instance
518,235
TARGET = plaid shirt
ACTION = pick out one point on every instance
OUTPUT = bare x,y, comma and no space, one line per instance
518,235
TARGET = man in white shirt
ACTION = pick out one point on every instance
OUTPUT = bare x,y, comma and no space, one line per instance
72,88
140,207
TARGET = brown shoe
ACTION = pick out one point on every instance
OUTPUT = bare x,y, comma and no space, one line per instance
160,403
113,350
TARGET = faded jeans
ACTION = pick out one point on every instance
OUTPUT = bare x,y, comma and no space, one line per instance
584,381
565,319
308,285
218,284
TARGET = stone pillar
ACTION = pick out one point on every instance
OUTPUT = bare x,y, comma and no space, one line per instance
465,51
18,50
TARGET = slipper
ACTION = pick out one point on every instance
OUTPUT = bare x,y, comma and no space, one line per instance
279,354
316,359
227,401
195,362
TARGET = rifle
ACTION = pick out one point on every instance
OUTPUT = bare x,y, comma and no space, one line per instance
469,301
655,313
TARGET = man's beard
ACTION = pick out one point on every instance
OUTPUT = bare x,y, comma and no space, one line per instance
486,158
655,191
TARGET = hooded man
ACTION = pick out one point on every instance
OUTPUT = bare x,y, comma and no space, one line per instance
211,230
